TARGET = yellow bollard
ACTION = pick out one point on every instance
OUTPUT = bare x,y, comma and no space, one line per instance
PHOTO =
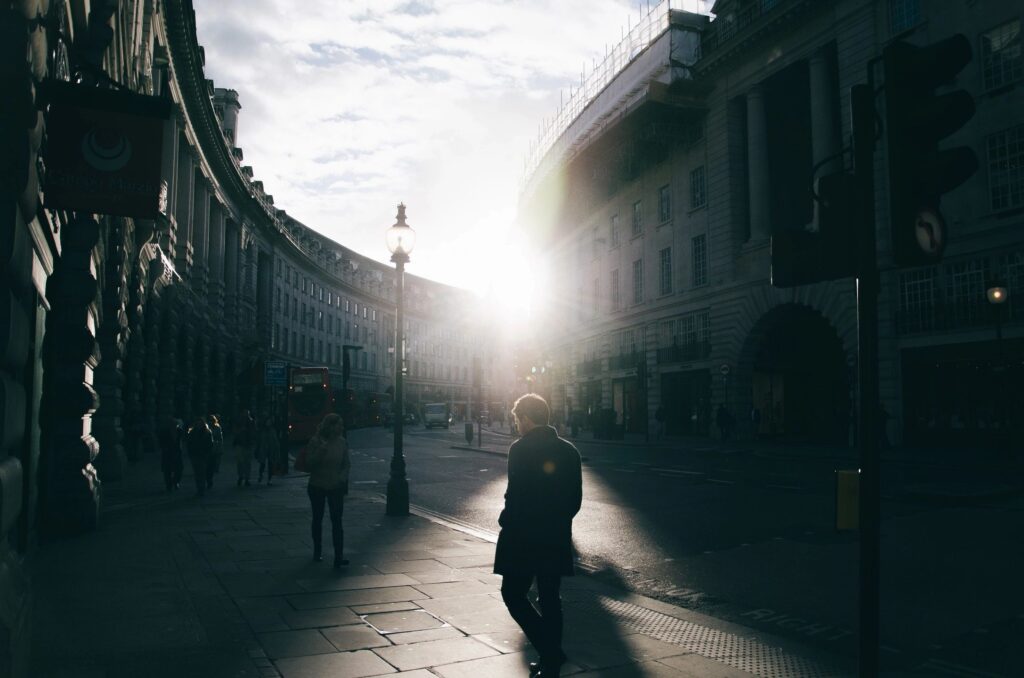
847,499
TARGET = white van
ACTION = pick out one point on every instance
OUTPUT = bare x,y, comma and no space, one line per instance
436,414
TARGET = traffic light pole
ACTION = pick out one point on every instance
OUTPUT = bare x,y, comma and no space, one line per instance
863,113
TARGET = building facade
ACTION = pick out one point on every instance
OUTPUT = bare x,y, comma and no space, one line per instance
660,183
112,327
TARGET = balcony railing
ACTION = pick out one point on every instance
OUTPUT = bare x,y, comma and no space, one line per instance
625,361
942,316
589,367
724,29
680,353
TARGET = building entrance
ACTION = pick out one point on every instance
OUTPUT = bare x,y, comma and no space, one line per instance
686,399
799,385
627,400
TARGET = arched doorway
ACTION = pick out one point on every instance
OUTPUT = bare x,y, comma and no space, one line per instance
800,387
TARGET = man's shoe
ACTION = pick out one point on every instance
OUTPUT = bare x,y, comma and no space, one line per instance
340,563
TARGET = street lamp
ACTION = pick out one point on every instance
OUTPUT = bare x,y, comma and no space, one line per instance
400,239
997,295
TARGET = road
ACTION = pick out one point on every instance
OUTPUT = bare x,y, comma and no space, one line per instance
750,538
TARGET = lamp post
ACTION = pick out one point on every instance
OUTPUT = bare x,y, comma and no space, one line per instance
400,240
997,294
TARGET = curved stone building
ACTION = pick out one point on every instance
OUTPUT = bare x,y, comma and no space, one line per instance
111,326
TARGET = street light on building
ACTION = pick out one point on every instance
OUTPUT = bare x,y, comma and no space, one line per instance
400,240
997,295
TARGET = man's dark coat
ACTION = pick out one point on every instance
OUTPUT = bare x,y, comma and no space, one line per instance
545,491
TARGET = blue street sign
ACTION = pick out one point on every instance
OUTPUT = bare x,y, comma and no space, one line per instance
275,373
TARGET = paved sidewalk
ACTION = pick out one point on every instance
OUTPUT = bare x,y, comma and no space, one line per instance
174,585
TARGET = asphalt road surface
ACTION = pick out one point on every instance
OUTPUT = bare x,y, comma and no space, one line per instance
750,538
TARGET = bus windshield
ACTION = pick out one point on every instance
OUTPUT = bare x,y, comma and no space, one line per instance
308,401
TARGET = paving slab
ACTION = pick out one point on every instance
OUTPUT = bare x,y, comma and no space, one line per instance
441,633
392,594
332,582
320,617
453,589
501,666
385,607
408,620
294,643
696,666
357,664
506,640
357,637
411,567
434,653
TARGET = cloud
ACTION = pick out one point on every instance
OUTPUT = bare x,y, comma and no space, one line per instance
351,107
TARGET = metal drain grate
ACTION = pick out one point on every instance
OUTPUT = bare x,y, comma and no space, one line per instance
742,653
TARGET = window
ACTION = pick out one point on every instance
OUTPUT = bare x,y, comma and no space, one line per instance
1001,61
638,281
364,311
303,285
330,298
1006,168
346,306
638,217
917,300
320,320
374,314
700,261
698,195
275,340
613,231
616,294
355,309
348,330
593,243
664,203
665,270
687,330
303,318
965,291
903,14
596,307
321,292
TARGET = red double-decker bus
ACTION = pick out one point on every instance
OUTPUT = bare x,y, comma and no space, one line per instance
310,399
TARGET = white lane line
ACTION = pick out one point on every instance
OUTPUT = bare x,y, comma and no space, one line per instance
721,482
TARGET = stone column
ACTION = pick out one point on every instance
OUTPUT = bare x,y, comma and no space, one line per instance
759,184
69,501
169,173
200,235
112,335
183,212
168,352
201,393
232,245
215,249
824,136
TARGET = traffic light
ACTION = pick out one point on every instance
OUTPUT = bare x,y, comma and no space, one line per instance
916,120
805,257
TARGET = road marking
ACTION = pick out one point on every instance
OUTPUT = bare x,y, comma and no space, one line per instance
364,482
800,625
625,470
721,482
784,487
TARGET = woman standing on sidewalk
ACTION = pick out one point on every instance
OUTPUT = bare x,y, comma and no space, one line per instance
266,450
328,462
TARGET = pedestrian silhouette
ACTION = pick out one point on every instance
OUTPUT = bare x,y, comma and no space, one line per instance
200,446
328,461
544,493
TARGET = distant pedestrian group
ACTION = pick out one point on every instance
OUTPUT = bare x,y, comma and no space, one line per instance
203,442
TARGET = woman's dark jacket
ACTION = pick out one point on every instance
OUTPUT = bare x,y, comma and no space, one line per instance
545,491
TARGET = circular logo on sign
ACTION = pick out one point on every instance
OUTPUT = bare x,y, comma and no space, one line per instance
930,229
106,150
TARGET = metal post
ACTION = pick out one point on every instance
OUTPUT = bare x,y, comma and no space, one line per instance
867,363
398,484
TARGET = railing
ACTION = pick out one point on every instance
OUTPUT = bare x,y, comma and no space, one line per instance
625,361
726,28
695,350
635,41
589,367
941,316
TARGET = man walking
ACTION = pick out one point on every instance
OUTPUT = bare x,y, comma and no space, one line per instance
544,493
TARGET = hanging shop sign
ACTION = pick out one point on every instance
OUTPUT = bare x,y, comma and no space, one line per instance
104,151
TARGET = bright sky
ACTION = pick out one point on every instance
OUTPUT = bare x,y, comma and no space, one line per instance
350,107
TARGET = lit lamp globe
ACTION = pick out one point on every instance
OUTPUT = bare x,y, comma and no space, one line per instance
996,293
400,237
